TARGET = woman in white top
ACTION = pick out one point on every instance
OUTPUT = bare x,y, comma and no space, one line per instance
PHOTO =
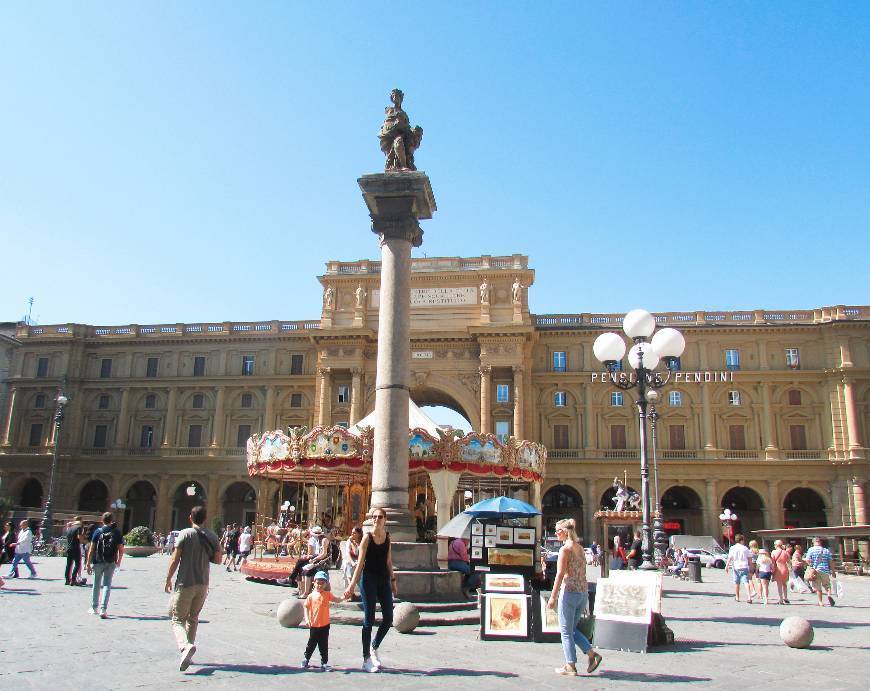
764,571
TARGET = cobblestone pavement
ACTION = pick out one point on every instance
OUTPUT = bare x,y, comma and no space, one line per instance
51,642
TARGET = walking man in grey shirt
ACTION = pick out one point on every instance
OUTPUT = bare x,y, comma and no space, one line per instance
195,549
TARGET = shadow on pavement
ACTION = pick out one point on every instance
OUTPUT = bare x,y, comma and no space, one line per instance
19,591
648,678
144,617
208,668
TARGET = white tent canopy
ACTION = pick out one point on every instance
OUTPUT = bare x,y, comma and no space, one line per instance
416,418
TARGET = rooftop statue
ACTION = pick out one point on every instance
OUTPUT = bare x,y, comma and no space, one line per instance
398,140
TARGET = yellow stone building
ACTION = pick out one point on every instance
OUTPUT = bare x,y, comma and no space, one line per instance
768,414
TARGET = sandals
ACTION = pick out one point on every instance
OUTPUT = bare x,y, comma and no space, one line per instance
566,671
594,662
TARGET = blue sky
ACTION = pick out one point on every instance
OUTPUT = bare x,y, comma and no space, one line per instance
167,162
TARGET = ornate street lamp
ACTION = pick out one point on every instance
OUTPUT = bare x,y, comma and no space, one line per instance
644,356
728,519
660,538
47,518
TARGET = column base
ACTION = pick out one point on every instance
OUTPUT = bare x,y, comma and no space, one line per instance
400,524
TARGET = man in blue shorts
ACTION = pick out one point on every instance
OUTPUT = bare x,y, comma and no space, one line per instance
819,558
738,560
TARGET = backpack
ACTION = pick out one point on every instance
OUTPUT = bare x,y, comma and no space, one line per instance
107,545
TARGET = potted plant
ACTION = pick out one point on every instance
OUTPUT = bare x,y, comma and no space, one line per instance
139,542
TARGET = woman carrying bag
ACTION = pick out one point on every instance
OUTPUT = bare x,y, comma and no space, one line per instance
571,589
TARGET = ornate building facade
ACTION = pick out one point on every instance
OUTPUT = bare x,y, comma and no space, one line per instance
767,415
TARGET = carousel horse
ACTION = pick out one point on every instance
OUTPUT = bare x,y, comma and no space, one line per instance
625,497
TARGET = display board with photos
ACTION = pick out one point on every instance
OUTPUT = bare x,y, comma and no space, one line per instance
502,548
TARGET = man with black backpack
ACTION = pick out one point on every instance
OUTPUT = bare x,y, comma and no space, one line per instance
104,554
195,549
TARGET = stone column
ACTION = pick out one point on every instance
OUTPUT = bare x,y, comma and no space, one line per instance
856,486
170,423
212,504
356,403
164,507
485,415
123,430
396,203
851,415
775,514
767,421
324,412
587,442
269,414
707,416
711,509
590,506
8,437
519,402
217,429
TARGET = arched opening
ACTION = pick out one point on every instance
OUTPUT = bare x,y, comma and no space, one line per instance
240,504
94,497
187,496
804,508
31,493
443,408
681,511
562,501
607,498
141,502
748,505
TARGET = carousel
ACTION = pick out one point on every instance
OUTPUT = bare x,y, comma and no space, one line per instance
322,477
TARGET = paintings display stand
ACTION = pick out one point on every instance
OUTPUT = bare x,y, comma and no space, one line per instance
504,556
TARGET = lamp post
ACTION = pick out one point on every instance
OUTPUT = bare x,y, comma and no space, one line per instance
644,357
118,507
659,536
728,520
47,527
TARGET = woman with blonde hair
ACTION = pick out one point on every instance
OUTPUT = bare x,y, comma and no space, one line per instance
571,589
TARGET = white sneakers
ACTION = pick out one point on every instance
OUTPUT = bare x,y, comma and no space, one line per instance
186,656
369,666
92,611
376,661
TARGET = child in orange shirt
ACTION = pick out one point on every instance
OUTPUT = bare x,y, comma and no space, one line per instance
317,618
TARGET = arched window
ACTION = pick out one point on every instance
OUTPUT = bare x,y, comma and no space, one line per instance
198,400
150,401
794,397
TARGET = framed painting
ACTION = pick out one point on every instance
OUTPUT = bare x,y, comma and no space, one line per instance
506,615
477,528
477,540
489,541
505,556
549,617
504,535
504,583
490,529
524,536
477,552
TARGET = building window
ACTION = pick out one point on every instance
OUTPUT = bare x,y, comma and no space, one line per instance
243,435
100,434
150,401
198,400
194,436
618,366
247,400
736,437
296,362
295,400
560,436
502,430
732,359
343,393
106,368
502,393
36,434
792,358
559,399
733,398
103,403
247,365
199,366
677,434
617,437
794,397
42,367
39,402
151,367
559,361
675,399
798,436
674,364
146,439
616,398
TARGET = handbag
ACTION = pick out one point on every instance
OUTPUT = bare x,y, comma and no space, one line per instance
810,574
586,626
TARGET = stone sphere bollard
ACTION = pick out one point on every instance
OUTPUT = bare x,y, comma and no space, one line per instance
796,632
406,617
290,613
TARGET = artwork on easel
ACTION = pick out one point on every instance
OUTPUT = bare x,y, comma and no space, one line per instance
477,540
504,583
489,541
477,528
477,552
506,615
504,536
549,617
490,528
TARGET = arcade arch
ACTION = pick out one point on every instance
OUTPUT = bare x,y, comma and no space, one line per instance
141,501
94,497
682,511
804,508
31,494
749,507
239,504
562,501
183,502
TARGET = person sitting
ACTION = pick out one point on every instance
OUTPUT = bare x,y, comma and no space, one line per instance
319,562
350,555
458,560
680,562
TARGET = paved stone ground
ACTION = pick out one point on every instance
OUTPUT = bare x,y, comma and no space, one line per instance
50,642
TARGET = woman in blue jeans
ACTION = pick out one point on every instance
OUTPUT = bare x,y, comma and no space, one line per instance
571,578
377,583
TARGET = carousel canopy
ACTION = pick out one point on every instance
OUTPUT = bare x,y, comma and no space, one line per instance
417,419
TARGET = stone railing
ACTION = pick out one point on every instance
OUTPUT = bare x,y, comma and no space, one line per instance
164,330
431,264
676,319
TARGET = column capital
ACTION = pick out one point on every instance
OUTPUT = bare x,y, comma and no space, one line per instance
356,371
485,370
324,371
517,369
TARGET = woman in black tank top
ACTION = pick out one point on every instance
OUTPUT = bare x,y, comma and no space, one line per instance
374,572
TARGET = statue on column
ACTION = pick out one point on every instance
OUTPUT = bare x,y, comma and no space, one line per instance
625,497
360,296
398,140
484,293
517,291
328,298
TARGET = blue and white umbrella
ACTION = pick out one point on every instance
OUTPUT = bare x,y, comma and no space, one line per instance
502,507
